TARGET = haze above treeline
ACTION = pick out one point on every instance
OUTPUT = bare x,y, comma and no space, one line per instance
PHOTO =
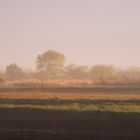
88,32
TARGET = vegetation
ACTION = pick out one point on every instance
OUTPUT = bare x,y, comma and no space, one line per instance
92,101
51,68
51,63
32,114
14,72
59,101
83,105
63,110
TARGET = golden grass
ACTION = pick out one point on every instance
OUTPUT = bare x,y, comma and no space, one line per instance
101,101
48,83
71,96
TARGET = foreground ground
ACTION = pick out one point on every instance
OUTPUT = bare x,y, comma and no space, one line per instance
27,114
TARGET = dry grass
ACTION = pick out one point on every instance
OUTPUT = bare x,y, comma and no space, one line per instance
93,101
47,83
71,96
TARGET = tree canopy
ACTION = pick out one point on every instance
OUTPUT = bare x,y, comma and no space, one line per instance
52,62
14,72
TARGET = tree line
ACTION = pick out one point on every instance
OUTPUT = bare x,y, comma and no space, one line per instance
50,65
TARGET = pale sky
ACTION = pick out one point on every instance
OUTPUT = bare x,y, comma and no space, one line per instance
88,32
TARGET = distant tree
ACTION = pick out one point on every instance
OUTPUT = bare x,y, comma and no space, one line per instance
130,76
102,73
2,80
2,75
41,75
14,72
52,62
76,72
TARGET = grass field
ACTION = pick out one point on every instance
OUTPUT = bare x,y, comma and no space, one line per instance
59,114
121,101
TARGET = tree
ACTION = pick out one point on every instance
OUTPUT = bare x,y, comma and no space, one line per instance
103,73
77,72
2,80
14,72
52,62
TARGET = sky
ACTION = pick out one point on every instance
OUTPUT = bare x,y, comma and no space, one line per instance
88,32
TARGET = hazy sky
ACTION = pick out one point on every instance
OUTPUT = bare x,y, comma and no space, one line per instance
86,31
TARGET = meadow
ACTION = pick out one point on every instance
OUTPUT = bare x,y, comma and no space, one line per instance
70,113
88,101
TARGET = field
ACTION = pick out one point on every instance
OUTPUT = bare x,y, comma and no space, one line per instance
70,113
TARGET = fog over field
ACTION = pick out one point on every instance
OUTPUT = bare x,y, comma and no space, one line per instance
88,32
